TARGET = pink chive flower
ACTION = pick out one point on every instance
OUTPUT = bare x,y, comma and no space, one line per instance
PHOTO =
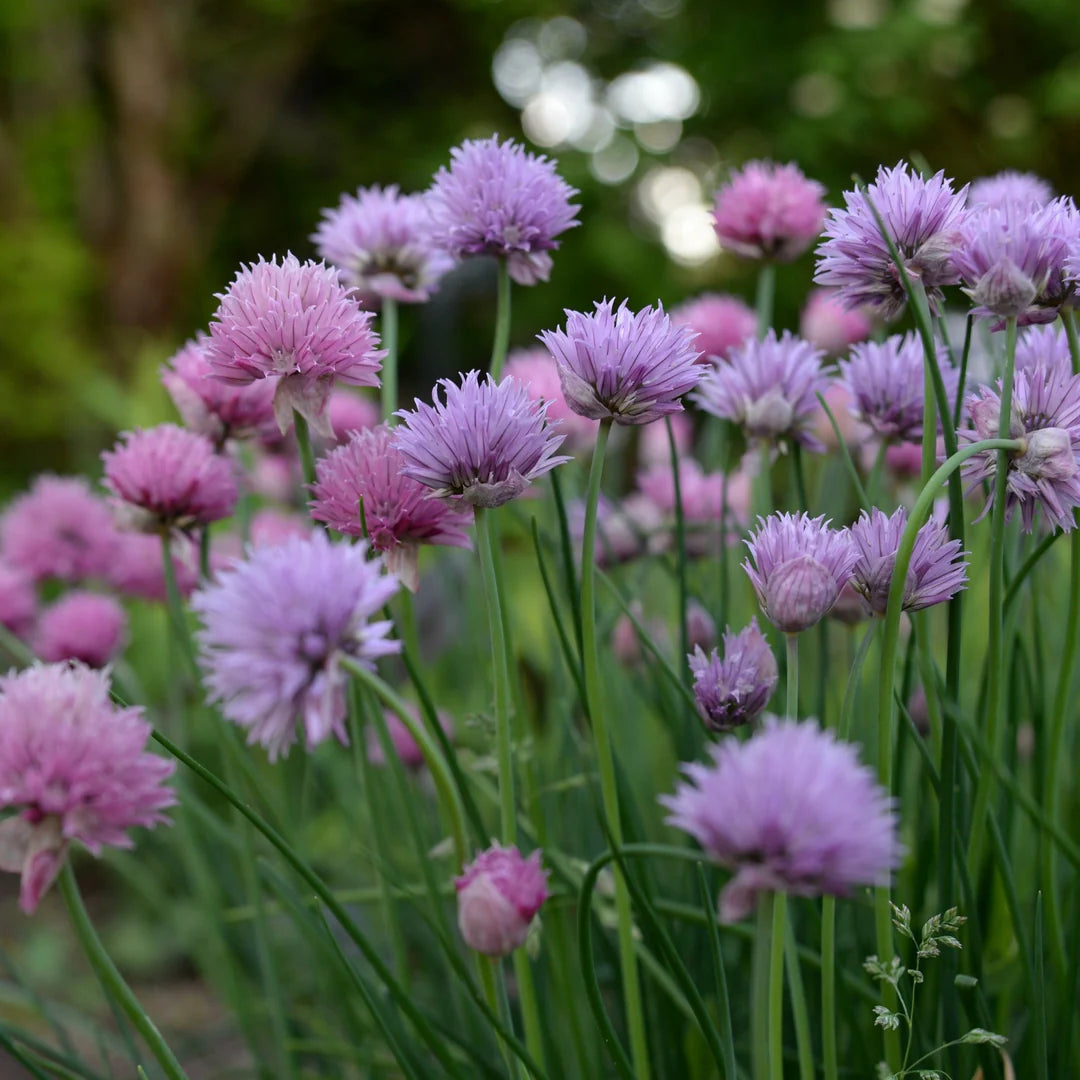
499,894
798,565
381,241
405,746
830,325
166,477
276,628
18,600
497,199
82,626
483,443
791,809
629,367
297,324
733,691
1010,187
59,529
270,526
936,573
922,217
769,211
139,568
768,388
349,412
75,768
1043,346
398,511
721,323
218,410
536,368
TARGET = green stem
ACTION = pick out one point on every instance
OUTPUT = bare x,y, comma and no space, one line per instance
501,342
388,325
776,986
800,1013
177,618
766,291
680,544
111,979
307,455
759,990
829,1059
761,491
792,642
204,553
635,1019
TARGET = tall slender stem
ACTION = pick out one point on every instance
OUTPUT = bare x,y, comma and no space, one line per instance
501,342
111,979
307,455
175,605
766,291
680,544
792,642
759,990
829,1059
799,1012
776,986
388,392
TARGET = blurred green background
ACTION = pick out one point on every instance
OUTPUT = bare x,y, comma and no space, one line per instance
148,146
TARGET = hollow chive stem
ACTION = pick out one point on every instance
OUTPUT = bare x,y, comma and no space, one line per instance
388,389
501,342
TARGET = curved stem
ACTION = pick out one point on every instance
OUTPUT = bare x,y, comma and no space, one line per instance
501,342
776,986
388,392
307,455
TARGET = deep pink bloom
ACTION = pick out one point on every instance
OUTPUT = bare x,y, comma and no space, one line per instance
721,323
139,567
733,691
790,810
349,412
499,894
830,325
18,600
166,478
1003,188
769,211
537,369
405,746
298,324
75,768
82,626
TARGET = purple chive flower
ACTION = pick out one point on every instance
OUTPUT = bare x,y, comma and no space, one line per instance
381,241
139,569
790,810
936,573
922,217
731,692
398,512
82,626
629,367
1043,345
700,626
405,746
18,600
722,323
484,442
298,324
536,368
769,211
497,199
768,388
275,629
828,324
1046,472
75,768
166,477
887,386
1010,187
499,894
798,565
59,529
212,408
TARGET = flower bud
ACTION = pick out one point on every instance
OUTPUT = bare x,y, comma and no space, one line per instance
1048,455
1004,289
499,894
700,627
800,593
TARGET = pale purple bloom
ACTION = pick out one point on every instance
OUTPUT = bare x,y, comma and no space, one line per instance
789,810
1046,472
626,366
622,528
59,529
1045,345
276,628
1010,186
381,240
798,565
830,325
75,768
536,368
405,746
399,513
499,894
484,442
721,323
732,691
700,626
497,199
768,388
349,412
921,216
769,211
298,324
166,477
887,384
82,626
936,573
654,446
18,600
139,567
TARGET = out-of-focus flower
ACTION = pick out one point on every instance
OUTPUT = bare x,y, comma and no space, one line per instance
405,746
721,323
1009,188
499,894
733,691
18,600
349,412
700,627
1043,346
654,447
82,626
139,567
830,325
536,368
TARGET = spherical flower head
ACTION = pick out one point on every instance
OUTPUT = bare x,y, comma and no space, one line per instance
360,486
166,477
536,368
733,691
349,412
830,325
499,894
74,767
798,565
936,573
721,323
769,211
59,529
82,626
139,568
18,600
381,241
629,367
276,628
769,388
405,746
1043,346
791,809
497,199
297,324
1010,187
887,384
922,217
211,407
483,443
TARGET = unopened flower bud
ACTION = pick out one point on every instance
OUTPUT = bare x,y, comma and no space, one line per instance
700,627
499,894
1004,289
1048,455
800,593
